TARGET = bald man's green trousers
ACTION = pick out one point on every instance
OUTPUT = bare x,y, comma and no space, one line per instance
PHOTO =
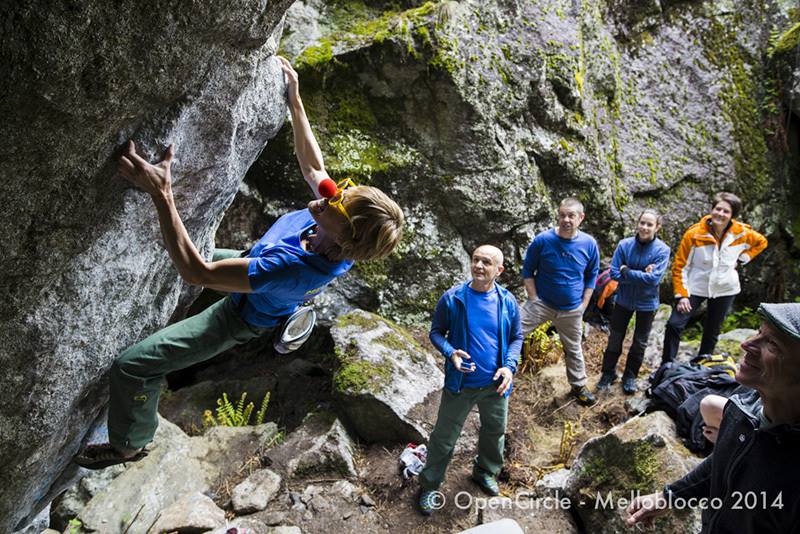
453,411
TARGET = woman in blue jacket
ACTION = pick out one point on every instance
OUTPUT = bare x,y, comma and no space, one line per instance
638,265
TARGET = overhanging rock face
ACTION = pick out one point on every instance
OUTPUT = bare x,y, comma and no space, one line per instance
85,273
479,116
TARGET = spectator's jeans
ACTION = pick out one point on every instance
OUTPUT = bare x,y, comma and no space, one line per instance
619,326
453,411
716,311
569,324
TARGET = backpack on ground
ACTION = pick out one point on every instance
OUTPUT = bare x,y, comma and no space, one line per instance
723,362
678,390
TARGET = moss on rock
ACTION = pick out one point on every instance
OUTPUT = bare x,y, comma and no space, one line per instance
740,103
786,41
362,376
315,56
621,466
392,341
365,320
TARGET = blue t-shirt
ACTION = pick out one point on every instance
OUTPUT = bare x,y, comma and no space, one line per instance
282,275
562,268
482,343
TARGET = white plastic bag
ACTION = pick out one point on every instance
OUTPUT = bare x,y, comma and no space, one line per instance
413,459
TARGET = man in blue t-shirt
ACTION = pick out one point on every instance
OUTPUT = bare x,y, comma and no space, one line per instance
299,255
476,327
559,273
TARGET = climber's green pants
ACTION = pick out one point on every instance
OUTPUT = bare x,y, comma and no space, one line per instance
138,373
453,411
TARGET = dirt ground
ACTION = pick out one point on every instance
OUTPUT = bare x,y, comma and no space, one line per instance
539,409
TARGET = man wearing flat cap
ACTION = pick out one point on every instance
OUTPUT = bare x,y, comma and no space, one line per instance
751,482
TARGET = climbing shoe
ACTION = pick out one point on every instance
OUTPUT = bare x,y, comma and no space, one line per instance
486,482
606,379
429,501
629,386
100,456
583,395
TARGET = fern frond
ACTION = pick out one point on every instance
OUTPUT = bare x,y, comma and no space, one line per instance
263,410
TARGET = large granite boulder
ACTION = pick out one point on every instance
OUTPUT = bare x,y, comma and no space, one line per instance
636,457
731,341
84,271
479,116
387,383
655,343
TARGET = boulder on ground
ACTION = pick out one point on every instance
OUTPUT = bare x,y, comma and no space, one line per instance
731,341
387,383
636,457
320,446
255,492
655,342
194,512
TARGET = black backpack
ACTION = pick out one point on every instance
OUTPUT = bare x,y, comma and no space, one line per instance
678,389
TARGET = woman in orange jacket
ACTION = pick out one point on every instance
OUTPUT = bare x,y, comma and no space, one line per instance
705,269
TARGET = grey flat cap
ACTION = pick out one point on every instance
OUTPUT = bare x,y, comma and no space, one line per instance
784,316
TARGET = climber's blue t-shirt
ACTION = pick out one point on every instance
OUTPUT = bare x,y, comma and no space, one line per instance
482,339
282,275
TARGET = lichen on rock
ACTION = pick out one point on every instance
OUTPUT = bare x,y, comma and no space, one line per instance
384,378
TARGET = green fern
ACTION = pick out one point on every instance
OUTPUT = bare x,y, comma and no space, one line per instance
232,415
263,410
277,439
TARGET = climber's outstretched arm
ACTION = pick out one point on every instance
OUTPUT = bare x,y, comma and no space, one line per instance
306,148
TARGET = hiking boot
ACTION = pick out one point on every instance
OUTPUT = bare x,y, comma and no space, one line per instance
583,395
606,379
629,386
100,456
428,501
486,482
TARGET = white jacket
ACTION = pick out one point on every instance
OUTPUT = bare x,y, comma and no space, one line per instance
705,268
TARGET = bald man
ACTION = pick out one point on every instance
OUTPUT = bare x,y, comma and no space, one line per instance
476,327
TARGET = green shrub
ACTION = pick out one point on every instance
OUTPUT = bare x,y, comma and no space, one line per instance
744,318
